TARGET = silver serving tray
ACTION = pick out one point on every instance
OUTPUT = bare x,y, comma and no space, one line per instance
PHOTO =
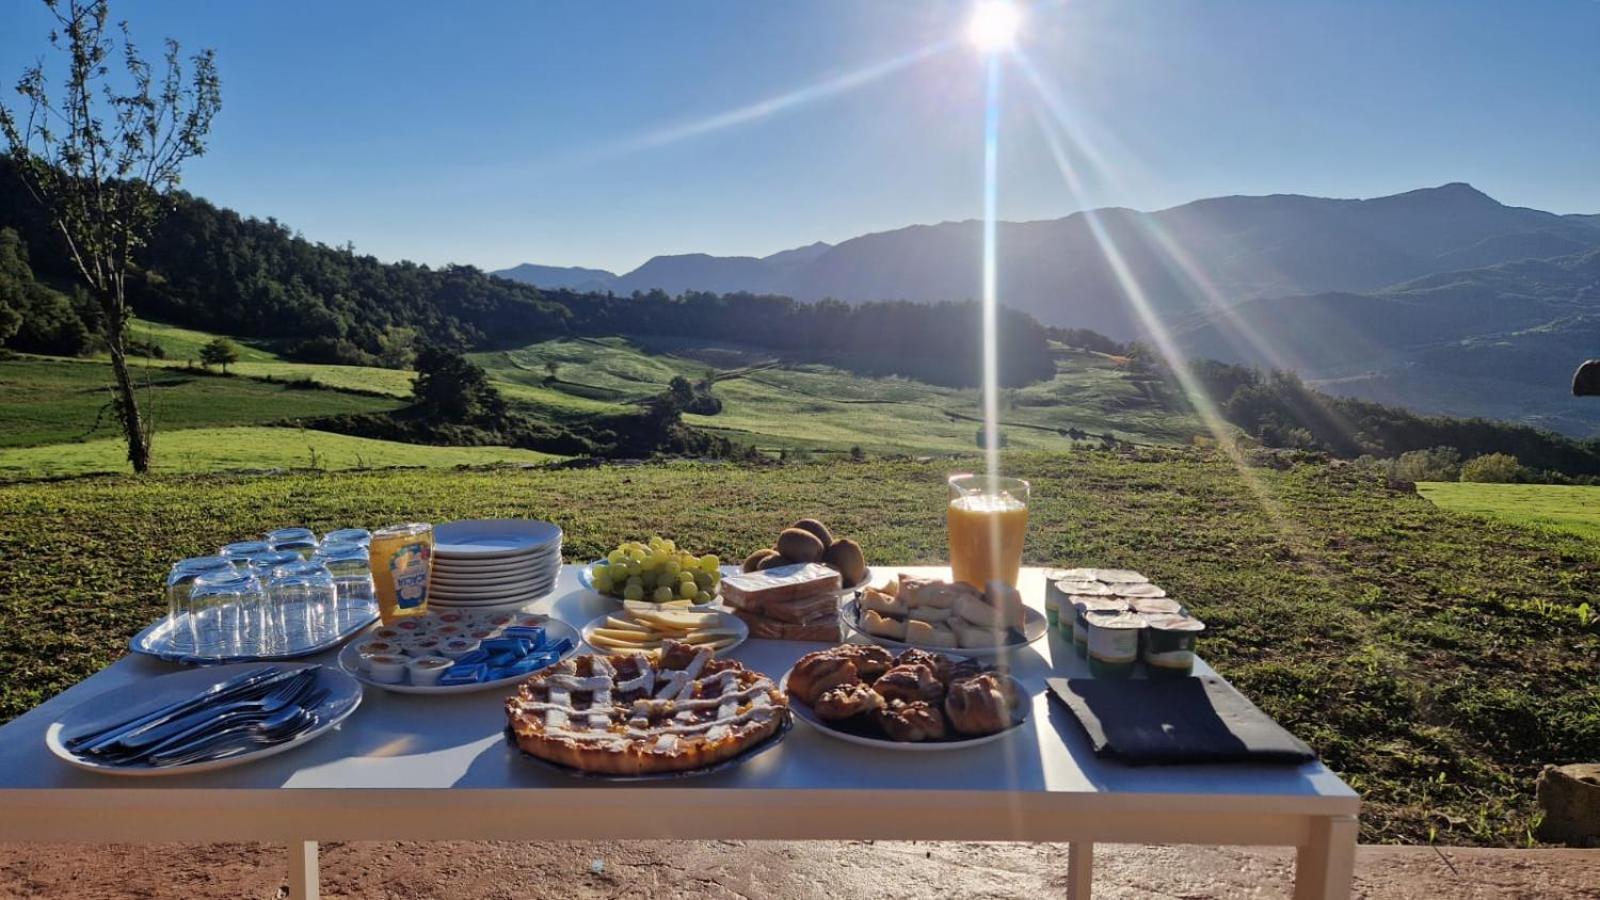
161,640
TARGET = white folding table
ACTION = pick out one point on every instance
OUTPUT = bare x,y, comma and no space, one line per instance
408,767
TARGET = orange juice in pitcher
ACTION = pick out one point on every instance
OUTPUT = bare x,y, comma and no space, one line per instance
987,519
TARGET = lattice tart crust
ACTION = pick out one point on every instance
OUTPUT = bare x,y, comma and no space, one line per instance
628,715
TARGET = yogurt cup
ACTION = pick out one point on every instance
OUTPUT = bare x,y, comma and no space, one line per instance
1169,642
386,668
1113,644
426,671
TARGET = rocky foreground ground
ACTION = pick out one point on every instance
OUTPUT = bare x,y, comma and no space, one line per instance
715,869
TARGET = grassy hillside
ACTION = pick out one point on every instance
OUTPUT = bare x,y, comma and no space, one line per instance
183,344
1435,660
197,450
1572,509
775,405
54,401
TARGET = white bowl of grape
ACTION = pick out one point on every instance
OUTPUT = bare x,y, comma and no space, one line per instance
657,573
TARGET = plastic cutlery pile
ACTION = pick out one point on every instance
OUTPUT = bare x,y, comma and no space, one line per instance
261,707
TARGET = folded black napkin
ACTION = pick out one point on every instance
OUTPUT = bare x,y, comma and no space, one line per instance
1176,720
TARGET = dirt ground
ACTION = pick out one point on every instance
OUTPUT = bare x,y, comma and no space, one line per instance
718,869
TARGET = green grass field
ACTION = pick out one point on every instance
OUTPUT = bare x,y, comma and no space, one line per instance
775,405
195,450
60,401
1435,660
1569,508
183,344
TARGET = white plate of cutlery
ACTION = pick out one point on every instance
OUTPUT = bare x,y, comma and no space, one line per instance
202,720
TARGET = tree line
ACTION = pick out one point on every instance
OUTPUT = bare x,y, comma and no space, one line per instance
213,269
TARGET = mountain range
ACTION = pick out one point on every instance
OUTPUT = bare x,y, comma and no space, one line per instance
1442,299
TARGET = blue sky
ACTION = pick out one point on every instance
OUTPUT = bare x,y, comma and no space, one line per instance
573,133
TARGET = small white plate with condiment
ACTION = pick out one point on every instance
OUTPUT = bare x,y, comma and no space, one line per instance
555,631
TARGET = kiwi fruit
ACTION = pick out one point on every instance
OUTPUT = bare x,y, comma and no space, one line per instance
773,561
817,528
845,555
800,545
754,560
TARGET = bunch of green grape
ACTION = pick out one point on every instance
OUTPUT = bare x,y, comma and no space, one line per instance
658,572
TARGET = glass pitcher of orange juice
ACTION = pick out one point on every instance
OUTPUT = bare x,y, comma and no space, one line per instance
987,519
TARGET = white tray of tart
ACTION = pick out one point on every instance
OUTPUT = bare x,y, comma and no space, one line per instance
916,701
929,614
457,651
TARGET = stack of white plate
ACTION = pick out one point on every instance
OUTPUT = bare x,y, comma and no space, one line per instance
494,562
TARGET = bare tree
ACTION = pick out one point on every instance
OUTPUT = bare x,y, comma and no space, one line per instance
102,158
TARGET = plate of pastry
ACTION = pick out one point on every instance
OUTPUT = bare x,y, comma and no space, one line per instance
632,717
930,614
915,701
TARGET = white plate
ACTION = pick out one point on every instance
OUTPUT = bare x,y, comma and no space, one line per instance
513,564
508,590
1034,626
803,712
493,538
350,662
528,595
444,557
458,583
151,694
490,602
726,620
518,568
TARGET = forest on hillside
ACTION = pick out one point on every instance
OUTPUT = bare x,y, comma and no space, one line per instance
213,269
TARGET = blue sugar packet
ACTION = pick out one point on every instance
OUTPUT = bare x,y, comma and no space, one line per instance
473,658
559,647
531,633
459,674
516,646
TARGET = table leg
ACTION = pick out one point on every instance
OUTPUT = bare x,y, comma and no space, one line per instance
1324,866
1080,870
305,879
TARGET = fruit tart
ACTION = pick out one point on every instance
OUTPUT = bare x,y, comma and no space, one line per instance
628,715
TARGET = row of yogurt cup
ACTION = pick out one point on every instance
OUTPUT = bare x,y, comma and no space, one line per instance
1116,619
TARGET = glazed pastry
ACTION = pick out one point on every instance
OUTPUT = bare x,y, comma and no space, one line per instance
911,722
932,592
880,602
961,671
1006,601
980,705
910,683
968,635
870,659
883,626
937,663
931,634
930,614
817,672
847,700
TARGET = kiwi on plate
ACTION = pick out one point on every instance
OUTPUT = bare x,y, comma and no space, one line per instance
800,545
846,557
754,560
817,528
772,562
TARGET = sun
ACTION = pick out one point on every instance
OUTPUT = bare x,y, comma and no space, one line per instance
994,25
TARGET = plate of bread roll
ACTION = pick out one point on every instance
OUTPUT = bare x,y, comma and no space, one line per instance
915,700
930,614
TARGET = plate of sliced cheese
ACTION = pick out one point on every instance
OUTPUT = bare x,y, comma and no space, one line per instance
931,614
636,627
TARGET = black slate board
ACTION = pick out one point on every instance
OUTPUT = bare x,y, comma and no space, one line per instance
1156,721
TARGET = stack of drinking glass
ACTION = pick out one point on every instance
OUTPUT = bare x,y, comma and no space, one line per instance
283,595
